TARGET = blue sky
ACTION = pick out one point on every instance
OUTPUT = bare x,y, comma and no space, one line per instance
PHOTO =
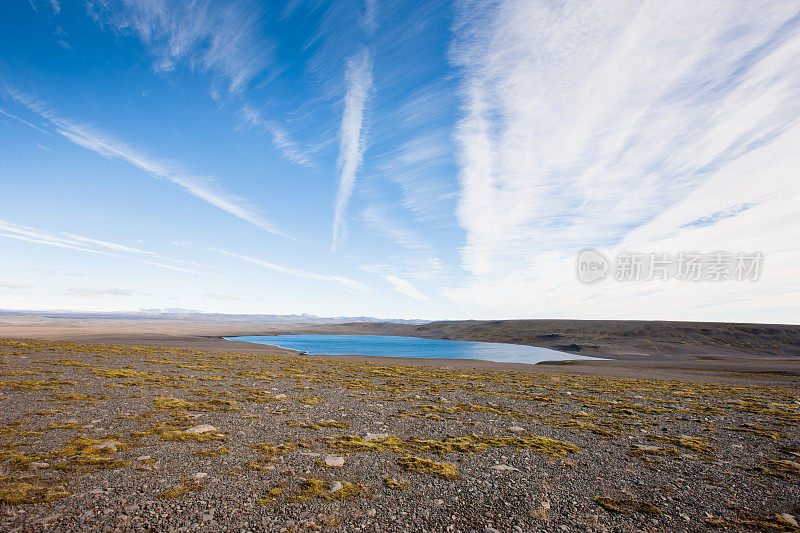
395,159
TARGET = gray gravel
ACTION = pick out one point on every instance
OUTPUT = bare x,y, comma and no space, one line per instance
666,456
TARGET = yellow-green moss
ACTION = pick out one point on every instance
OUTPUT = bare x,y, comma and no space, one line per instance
416,464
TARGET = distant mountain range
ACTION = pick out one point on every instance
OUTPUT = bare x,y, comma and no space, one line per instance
178,313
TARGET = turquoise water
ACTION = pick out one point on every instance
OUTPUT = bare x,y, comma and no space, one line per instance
388,346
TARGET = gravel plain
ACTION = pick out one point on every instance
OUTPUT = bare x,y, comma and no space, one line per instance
97,437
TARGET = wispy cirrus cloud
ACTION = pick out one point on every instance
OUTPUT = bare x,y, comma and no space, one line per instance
358,80
281,139
79,243
89,291
220,38
344,282
202,187
15,286
403,286
589,127
417,258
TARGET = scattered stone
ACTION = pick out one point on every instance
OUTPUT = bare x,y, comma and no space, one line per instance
371,512
198,476
336,485
280,396
375,436
516,429
144,458
202,428
39,465
334,461
504,468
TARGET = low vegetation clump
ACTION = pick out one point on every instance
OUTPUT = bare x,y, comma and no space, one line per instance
415,464
697,444
465,444
318,488
626,506
26,493
213,452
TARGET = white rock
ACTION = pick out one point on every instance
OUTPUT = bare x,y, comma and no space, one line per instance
789,518
375,436
143,458
336,486
202,428
109,446
199,475
40,465
280,396
310,454
371,512
504,468
645,448
516,429
334,461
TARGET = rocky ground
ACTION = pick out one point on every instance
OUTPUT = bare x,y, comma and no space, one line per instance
125,438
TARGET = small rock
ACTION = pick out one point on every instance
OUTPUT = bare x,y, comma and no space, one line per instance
488,529
789,519
334,461
40,465
336,485
202,428
109,446
516,429
375,436
504,468
645,448
199,476
438,502
280,396
371,512
144,458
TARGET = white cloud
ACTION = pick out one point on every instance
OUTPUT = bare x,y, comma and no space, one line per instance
228,297
87,291
37,128
281,139
358,78
404,286
220,38
202,187
342,281
369,21
15,286
87,245
418,258
589,127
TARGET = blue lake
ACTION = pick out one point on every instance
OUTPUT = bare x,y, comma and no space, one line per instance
388,346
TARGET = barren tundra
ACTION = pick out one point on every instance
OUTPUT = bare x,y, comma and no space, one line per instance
99,437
